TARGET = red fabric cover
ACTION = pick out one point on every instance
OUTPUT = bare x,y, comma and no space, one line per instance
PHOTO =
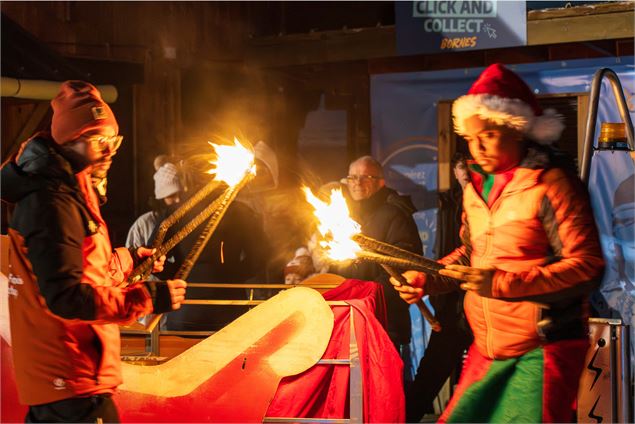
322,391
563,362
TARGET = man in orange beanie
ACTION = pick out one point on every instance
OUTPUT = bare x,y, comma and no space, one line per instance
530,256
64,300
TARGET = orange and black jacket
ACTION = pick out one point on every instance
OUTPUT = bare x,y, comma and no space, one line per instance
540,236
64,302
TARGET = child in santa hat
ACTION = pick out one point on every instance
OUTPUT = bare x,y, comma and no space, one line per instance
530,257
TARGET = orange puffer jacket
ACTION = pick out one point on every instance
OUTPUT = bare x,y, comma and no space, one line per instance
64,302
541,238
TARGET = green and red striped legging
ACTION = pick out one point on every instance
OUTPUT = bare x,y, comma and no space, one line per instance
539,386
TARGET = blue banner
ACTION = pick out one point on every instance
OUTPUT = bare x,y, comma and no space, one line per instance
432,26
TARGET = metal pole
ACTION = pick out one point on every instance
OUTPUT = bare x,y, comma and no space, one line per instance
45,90
594,99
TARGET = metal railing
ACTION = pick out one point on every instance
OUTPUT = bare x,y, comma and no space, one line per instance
152,330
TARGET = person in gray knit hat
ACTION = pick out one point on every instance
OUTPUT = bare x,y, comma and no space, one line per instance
167,193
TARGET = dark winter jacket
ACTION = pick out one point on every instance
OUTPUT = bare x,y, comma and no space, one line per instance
448,307
235,253
63,295
387,216
449,221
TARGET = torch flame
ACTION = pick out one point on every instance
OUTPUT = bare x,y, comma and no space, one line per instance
335,225
232,162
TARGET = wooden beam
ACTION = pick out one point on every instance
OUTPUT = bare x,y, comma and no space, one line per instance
544,27
104,71
509,55
581,28
321,47
582,10
445,145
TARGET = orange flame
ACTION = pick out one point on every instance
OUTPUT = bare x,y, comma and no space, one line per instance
335,225
232,162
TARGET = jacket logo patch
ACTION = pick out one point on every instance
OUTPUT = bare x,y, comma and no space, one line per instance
59,384
92,226
99,112
14,279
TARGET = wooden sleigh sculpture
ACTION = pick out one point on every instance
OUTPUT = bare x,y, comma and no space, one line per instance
294,358
233,375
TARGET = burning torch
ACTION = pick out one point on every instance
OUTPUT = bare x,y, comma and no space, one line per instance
234,166
342,240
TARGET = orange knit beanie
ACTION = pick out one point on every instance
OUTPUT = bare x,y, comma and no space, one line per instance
77,109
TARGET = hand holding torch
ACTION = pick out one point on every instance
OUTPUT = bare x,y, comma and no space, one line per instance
234,166
344,241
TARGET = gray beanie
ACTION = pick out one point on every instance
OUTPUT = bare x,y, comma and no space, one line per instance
166,181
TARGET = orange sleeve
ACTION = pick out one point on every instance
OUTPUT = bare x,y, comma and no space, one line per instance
568,221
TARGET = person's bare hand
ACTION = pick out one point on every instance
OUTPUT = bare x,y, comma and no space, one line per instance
144,252
177,292
478,280
412,292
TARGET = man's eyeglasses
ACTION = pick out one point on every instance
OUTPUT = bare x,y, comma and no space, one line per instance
103,142
361,178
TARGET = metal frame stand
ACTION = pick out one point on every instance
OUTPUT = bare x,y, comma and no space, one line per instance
591,120
606,385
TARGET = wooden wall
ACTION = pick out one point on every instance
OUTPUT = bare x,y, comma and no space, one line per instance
209,71
197,84
202,41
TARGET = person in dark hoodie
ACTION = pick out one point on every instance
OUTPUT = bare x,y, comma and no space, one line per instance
66,296
386,216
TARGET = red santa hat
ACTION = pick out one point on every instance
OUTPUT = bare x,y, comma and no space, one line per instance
502,97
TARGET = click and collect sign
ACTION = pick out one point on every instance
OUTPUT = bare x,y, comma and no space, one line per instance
433,26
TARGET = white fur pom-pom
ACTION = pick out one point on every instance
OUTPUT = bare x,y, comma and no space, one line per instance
547,128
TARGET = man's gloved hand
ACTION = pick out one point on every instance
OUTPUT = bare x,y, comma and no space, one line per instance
177,292
144,252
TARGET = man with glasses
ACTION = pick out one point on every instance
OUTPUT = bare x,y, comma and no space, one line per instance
64,299
386,216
